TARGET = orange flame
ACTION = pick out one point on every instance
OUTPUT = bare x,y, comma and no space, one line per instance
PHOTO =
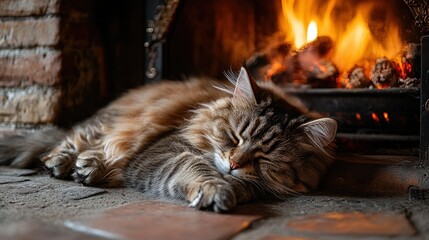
311,31
351,27
358,116
386,116
375,117
404,68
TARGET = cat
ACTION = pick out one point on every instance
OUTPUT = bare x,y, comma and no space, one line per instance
213,146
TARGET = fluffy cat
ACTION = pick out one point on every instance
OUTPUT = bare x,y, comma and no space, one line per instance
213,147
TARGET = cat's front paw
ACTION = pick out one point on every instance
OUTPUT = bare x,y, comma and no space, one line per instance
60,164
89,168
215,195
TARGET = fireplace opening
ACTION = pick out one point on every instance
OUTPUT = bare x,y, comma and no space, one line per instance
361,62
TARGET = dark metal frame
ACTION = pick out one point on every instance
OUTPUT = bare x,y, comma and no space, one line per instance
159,18
420,11
424,99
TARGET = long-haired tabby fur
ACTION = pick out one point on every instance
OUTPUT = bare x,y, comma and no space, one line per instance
212,147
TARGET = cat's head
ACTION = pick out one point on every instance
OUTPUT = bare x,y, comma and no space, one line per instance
263,136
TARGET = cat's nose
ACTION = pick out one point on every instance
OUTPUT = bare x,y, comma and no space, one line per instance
234,165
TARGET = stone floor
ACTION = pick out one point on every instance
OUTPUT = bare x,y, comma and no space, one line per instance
35,206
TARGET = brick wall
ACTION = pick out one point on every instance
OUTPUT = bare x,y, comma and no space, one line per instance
49,62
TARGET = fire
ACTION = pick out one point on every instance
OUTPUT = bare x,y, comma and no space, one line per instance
404,68
375,117
352,28
386,116
311,31
358,116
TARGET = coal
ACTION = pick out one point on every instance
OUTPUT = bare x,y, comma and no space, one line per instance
356,78
384,74
409,83
323,75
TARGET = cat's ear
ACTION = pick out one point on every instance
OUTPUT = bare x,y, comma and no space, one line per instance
245,87
321,132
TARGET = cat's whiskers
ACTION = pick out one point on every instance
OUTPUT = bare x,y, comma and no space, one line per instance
224,88
231,76
221,163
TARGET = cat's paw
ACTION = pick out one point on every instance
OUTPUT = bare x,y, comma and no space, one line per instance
89,168
60,164
215,195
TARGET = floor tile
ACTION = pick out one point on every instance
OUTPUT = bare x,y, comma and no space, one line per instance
159,220
39,231
353,223
278,237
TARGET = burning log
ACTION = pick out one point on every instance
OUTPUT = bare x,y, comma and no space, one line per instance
314,61
309,65
384,73
320,74
321,47
263,65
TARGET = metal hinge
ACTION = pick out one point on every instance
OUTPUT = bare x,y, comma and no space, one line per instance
157,31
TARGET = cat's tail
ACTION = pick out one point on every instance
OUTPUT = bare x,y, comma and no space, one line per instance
25,151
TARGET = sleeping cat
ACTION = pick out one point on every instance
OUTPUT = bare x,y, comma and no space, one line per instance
213,147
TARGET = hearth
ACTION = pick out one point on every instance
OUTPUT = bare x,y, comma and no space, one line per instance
382,123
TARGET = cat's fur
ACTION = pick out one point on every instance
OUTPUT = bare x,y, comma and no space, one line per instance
190,141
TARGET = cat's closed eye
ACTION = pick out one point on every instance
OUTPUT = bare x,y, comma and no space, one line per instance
233,140
261,156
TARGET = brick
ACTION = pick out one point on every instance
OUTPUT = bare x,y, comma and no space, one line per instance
353,224
46,32
66,79
157,220
26,67
38,230
32,105
29,7
18,8
30,32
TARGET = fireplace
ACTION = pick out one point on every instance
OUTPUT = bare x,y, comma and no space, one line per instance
386,126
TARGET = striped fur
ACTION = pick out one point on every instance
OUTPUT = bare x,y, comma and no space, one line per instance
190,141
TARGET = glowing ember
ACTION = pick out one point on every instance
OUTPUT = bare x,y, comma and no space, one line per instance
386,116
358,116
375,117
404,68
